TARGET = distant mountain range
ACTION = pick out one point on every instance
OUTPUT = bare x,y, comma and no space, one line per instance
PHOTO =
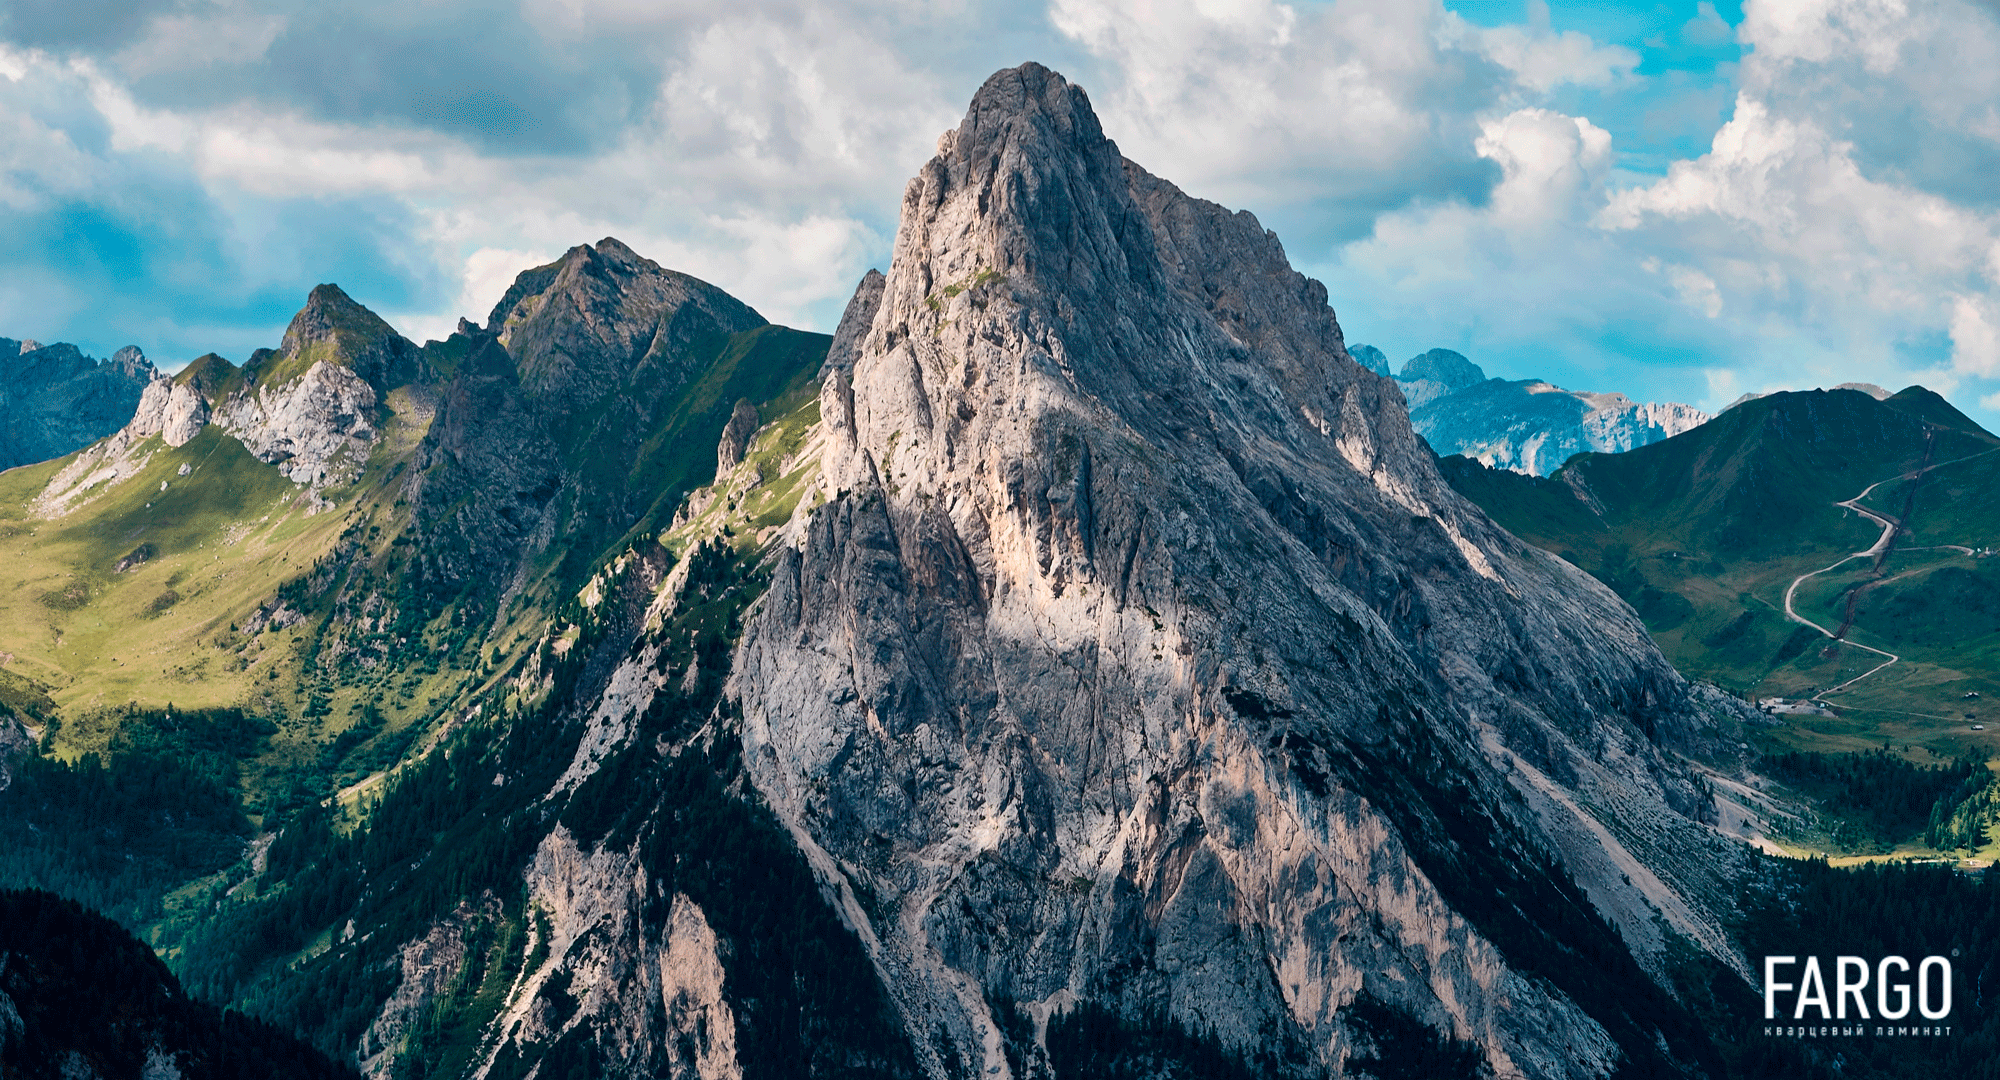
54,399
1523,425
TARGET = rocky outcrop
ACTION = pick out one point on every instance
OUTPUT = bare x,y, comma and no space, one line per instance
15,741
854,322
1140,656
735,436
654,991
311,407
175,409
56,400
427,967
317,428
1526,425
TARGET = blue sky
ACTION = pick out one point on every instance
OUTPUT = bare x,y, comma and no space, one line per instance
1682,201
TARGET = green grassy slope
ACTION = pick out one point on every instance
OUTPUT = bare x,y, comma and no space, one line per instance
208,584
1704,533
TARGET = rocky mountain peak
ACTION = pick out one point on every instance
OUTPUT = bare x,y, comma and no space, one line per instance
1125,569
311,406
1029,213
131,362
580,326
1029,169
1443,366
334,328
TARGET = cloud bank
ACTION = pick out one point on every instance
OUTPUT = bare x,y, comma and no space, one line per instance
1681,201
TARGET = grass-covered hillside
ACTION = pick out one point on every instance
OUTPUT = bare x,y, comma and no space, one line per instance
1706,533
232,696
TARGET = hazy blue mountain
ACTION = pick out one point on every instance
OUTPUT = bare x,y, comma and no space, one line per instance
1524,425
54,399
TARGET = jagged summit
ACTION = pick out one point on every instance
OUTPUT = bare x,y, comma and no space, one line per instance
581,325
334,328
132,362
1130,577
1027,201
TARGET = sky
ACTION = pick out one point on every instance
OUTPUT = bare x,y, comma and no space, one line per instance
1680,201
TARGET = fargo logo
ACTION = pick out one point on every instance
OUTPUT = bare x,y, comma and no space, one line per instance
1853,978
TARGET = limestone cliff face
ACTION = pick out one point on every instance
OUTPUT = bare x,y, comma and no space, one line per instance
310,407
316,429
1140,655
735,436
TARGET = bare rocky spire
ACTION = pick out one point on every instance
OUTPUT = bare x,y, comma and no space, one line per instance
1138,623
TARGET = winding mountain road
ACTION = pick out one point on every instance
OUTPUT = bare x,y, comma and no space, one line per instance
1889,529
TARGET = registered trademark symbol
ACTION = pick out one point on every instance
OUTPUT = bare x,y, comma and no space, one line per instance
1954,952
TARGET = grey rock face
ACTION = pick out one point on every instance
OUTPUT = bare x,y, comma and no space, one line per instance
580,326
855,321
173,410
489,460
736,436
56,400
1139,641
317,428
310,408
14,742
569,371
